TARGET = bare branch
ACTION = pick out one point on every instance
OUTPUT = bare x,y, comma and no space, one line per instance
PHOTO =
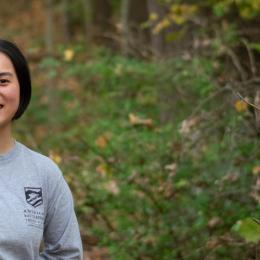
249,81
247,102
251,57
236,63
256,220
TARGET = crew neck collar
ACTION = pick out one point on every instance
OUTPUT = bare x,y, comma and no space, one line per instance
10,155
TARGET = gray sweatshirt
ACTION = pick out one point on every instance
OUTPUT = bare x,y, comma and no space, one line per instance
35,204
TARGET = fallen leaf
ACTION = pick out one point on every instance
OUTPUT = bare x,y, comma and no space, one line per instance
103,139
101,142
68,179
231,177
135,120
247,229
212,243
241,106
187,125
171,168
214,222
256,170
256,191
55,157
102,169
112,187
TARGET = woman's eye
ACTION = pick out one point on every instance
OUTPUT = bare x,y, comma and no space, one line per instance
4,81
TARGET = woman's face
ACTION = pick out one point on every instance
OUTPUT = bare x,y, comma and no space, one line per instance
9,91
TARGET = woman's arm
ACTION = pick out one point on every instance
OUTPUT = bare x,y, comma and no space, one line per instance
61,231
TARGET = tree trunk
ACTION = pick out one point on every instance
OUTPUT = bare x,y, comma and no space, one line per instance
51,92
88,17
125,8
49,27
101,22
135,38
157,40
66,21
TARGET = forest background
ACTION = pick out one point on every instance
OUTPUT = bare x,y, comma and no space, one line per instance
152,110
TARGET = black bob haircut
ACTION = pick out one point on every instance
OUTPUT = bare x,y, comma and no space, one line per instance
22,72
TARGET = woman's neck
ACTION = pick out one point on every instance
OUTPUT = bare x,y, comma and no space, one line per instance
6,139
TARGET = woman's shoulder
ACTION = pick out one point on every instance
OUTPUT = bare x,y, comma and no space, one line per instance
43,163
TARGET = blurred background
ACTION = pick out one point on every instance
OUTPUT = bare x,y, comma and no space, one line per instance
151,108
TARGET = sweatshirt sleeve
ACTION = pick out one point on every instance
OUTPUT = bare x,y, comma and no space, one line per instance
61,230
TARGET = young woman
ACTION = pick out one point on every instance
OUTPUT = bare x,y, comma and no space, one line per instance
35,201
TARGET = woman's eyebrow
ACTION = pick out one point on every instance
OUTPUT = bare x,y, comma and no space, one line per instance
6,74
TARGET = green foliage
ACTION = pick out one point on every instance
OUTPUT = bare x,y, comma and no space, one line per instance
50,65
248,229
247,9
255,46
149,188
162,159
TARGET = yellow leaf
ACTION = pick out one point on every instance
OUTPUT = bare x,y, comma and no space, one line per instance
240,106
246,12
175,8
68,179
68,55
153,16
55,157
178,19
164,23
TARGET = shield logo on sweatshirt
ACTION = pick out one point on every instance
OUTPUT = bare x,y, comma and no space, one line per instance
33,196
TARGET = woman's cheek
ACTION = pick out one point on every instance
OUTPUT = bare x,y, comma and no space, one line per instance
13,98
